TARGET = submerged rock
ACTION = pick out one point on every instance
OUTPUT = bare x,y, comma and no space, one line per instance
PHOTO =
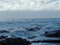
30,29
14,41
55,33
33,28
32,37
4,31
3,37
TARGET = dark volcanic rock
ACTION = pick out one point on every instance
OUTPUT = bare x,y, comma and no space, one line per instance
46,41
14,41
55,33
32,37
4,31
3,37
33,28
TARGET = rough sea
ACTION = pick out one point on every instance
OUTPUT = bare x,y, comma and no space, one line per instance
30,29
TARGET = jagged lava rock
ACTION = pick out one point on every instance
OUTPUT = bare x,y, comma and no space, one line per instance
14,41
55,33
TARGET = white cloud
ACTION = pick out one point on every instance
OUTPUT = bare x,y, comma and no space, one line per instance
29,5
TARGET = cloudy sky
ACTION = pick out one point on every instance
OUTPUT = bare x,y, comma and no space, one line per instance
29,5
21,8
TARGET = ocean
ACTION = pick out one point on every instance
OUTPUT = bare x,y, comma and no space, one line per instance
32,30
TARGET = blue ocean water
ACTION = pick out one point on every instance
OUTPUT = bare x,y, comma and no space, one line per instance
17,28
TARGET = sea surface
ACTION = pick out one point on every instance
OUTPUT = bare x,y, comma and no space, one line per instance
21,28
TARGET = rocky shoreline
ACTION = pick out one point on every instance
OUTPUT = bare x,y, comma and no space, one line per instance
4,40
20,41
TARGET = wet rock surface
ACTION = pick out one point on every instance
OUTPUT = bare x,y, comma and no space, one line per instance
14,41
55,33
